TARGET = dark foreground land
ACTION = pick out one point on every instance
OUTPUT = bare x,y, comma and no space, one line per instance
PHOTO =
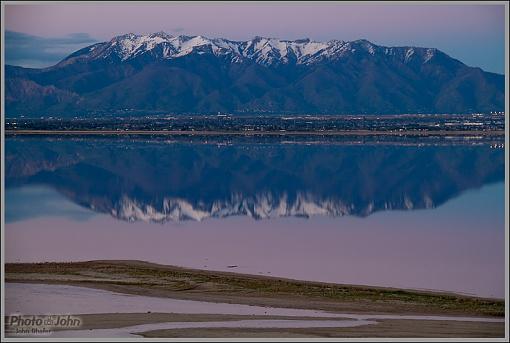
142,278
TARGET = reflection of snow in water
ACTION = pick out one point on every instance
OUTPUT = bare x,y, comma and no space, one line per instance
457,247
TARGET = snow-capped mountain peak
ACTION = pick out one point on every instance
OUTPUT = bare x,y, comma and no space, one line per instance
262,50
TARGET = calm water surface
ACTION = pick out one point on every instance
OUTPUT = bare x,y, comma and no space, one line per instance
411,214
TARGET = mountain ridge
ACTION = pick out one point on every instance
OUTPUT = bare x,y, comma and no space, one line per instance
264,50
196,74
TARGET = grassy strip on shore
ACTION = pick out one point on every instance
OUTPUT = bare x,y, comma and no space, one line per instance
143,278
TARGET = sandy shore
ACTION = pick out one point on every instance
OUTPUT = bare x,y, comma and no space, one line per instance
143,278
383,329
147,279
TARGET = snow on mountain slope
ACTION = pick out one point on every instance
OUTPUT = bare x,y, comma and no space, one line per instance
265,51
259,206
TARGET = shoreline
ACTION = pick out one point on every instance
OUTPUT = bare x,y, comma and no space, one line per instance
366,311
173,325
227,273
144,278
260,133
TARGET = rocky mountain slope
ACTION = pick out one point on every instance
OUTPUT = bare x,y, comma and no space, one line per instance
160,73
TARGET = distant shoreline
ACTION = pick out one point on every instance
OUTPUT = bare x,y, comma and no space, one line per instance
261,133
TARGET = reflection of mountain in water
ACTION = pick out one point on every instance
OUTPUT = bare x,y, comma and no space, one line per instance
155,181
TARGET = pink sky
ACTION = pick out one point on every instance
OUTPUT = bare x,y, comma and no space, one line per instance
243,21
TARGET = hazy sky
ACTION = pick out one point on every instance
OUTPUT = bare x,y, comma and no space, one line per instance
42,34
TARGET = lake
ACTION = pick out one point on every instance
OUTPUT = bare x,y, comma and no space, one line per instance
419,213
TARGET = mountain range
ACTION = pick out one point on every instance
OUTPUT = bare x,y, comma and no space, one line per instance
161,73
